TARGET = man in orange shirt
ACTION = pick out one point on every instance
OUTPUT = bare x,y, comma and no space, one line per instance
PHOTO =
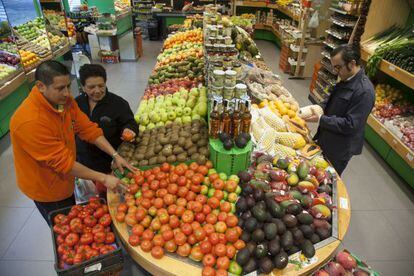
43,132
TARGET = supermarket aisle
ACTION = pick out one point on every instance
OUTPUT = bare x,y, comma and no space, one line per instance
382,205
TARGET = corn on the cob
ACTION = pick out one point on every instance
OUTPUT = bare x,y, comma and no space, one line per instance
258,128
267,141
293,140
272,119
281,151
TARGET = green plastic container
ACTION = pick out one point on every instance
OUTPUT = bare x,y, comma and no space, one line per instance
229,161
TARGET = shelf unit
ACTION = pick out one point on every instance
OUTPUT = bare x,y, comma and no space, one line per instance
342,22
262,4
141,13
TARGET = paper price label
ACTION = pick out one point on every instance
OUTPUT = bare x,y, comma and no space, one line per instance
410,157
391,67
95,267
343,203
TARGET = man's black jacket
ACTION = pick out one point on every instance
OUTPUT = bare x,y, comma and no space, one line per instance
113,115
341,129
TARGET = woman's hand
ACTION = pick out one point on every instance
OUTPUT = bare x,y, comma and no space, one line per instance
121,163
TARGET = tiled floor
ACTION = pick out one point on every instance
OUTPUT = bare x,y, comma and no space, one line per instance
382,222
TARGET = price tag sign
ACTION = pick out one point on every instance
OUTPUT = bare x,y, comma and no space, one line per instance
392,68
410,157
95,267
343,203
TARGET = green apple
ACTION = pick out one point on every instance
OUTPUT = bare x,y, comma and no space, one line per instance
178,120
194,92
142,128
233,208
232,197
181,103
238,190
187,111
195,117
168,123
204,190
223,176
168,97
211,171
191,102
211,192
155,118
164,116
225,195
167,102
206,181
178,111
138,194
171,115
235,178
186,119
159,99
150,125
144,119
159,124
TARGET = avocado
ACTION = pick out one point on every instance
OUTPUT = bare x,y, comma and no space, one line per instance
297,235
315,238
250,202
287,240
308,249
243,256
246,215
293,250
251,246
323,233
306,230
258,235
303,169
324,188
245,236
241,204
250,224
261,250
282,163
259,213
290,220
244,176
274,208
274,246
240,223
270,230
250,266
261,204
294,209
266,265
258,194
241,142
281,227
246,189
228,144
305,218
281,260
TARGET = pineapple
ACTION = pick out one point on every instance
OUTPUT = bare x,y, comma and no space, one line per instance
293,140
272,119
281,151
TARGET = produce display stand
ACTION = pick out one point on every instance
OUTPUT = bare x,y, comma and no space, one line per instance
175,265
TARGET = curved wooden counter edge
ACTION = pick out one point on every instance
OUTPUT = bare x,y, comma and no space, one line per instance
344,209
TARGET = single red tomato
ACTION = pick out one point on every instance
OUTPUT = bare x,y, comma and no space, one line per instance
133,240
90,221
158,240
148,235
205,247
157,252
196,254
122,207
231,251
105,220
65,230
220,250
192,239
60,239
86,238
120,217
223,262
99,213
76,225
180,238
58,218
168,235
72,239
99,237
78,258
200,234
138,229
209,260
98,228
239,244
184,250
110,238
170,246
146,245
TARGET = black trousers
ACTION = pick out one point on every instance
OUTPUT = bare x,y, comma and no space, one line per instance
46,207
339,165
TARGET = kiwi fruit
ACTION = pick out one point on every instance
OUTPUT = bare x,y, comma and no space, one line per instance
143,163
153,160
194,156
202,142
171,159
181,141
192,150
177,150
167,150
163,140
188,144
195,130
185,134
195,138
201,160
182,157
161,159
174,139
139,156
157,149
148,155
145,142
204,151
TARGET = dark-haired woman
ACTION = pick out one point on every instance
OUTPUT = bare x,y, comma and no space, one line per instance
111,112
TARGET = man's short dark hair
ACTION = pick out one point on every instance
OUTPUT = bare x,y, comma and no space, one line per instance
91,70
50,69
348,53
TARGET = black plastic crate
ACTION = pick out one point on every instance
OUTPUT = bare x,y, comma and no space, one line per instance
100,265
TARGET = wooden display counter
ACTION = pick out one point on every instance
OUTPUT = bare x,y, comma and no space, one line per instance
176,265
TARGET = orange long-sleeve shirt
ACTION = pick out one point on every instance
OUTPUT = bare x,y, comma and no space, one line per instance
44,148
